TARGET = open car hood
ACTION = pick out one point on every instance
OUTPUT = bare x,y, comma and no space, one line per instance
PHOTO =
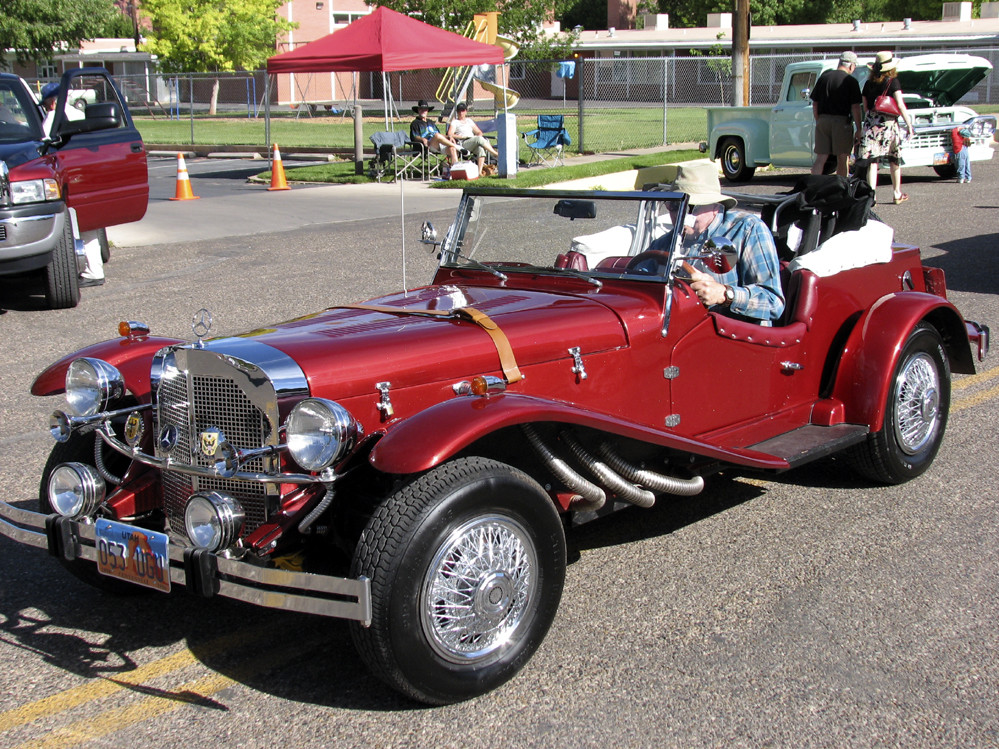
943,79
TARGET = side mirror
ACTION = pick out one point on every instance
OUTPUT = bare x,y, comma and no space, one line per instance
105,116
573,209
806,92
720,255
428,234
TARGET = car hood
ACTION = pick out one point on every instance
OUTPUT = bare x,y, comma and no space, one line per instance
943,79
15,154
345,350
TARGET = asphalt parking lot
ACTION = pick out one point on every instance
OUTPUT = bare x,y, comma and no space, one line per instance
806,609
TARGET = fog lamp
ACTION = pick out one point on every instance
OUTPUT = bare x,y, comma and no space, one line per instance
75,489
213,520
91,384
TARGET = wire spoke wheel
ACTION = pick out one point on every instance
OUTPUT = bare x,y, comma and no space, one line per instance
917,403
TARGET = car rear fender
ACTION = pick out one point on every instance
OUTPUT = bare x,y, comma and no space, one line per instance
407,446
132,357
872,350
754,134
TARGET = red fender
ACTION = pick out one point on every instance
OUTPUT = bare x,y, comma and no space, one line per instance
459,422
130,355
872,350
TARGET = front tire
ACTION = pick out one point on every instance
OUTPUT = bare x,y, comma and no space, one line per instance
102,236
62,283
915,413
945,171
467,565
733,161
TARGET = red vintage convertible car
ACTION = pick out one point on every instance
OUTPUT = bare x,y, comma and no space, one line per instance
408,463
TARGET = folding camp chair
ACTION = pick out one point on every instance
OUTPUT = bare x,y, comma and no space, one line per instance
396,156
549,139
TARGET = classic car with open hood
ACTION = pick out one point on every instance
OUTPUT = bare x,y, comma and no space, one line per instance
744,138
408,463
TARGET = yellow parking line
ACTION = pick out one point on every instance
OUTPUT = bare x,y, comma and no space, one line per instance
975,379
112,721
95,690
974,400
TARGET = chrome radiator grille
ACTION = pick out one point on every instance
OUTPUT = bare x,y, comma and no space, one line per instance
192,402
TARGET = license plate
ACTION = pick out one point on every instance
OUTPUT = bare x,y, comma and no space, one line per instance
137,555
939,159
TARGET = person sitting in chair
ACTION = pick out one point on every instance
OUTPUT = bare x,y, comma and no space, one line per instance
752,289
424,133
463,130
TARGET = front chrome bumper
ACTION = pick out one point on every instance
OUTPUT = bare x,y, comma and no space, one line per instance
202,572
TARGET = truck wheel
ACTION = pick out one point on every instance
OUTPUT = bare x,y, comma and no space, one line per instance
466,565
915,413
80,449
102,235
62,284
945,171
733,161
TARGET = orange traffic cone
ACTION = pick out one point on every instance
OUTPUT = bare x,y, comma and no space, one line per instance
278,182
184,191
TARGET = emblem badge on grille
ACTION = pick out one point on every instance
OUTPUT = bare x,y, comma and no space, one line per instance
167,439
211,438
133,429
201,324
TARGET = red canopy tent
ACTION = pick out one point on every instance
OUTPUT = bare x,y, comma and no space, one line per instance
385,41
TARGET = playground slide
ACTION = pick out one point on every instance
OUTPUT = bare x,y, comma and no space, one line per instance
505,97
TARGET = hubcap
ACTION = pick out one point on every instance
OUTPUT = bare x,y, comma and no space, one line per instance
917,404
479,589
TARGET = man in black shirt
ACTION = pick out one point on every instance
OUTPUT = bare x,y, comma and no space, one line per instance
836,108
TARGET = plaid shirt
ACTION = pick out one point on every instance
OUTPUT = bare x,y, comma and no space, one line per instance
755,280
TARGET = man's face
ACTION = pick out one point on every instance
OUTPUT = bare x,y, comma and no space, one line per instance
422,113
703,216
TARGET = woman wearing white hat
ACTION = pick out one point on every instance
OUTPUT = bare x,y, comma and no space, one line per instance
882,137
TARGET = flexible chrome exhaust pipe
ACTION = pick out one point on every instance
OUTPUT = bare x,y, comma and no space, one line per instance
590,497
606,475
657,482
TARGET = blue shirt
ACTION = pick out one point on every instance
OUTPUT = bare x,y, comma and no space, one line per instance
755,279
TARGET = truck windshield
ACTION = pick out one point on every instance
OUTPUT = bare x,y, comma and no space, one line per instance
19,119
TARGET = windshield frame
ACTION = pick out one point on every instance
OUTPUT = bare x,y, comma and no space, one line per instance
29,106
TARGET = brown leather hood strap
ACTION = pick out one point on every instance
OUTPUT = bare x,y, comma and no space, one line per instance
508,361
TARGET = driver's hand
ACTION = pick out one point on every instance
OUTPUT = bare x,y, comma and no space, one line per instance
709,291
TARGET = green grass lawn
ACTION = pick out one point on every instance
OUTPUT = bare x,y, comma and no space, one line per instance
604,129
343,172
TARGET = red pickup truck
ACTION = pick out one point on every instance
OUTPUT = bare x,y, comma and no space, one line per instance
87,174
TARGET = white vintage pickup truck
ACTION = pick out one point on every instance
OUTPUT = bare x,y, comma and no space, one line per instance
744,138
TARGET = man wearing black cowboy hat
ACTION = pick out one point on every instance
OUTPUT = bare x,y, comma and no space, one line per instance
424,133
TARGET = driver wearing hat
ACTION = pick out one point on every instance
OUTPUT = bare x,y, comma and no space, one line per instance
751,290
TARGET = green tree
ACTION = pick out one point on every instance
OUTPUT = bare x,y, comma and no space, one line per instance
33,29
518,19
209,36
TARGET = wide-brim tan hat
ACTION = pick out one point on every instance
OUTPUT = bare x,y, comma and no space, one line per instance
700,182
886,60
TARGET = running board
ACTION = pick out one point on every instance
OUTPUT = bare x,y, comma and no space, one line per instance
808,443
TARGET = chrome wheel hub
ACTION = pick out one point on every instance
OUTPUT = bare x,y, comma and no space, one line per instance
917,404
479,589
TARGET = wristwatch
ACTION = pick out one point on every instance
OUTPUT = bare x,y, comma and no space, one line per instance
729,295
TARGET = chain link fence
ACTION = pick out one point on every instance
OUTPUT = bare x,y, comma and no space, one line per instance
608,104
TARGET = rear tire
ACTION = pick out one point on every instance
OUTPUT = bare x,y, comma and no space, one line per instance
466,565
733,161
915,413
62,284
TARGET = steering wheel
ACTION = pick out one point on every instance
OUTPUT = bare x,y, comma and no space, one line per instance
649,263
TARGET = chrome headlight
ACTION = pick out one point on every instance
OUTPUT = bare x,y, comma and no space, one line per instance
34,191
213,520
320,432
75,489
91,384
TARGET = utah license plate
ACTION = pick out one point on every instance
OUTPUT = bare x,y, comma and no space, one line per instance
137,555
939,159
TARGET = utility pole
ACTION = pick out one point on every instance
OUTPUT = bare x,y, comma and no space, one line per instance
740,52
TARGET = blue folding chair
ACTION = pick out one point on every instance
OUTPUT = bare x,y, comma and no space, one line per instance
550,137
